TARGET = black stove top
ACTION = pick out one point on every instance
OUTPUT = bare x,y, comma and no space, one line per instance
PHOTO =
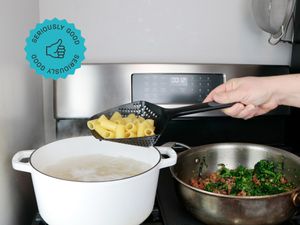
154,219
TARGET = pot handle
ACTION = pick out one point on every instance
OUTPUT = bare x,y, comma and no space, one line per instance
173,145
169,152
17,163
296,199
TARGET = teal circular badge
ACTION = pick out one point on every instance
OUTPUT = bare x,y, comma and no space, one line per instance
55,48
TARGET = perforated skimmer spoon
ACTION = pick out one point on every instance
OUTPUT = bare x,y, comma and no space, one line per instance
160,115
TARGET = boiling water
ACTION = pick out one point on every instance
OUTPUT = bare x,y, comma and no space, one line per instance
96,168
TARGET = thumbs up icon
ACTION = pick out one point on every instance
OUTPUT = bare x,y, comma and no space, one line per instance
56,50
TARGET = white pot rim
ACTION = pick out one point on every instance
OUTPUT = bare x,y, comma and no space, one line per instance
92,182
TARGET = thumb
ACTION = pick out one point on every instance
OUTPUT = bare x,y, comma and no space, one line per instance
58,42
227,97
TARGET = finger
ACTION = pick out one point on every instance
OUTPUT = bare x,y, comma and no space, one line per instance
62,55
265,108
58,42
218,89
60,50
61,47
253,114
234,110
248,112
228,96
250,116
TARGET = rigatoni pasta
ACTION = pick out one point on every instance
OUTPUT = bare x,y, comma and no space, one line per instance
120,131
116,116
122,127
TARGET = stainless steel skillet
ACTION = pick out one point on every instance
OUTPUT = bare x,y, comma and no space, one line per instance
217,209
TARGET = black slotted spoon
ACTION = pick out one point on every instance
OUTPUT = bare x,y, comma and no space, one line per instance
160,115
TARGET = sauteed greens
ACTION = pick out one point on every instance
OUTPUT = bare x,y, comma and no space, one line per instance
265,179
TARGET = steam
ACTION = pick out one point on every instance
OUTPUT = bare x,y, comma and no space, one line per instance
71,128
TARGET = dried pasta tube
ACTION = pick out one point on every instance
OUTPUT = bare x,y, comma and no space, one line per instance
120,131
131,127
102,132
141,119
127,120
129,134
141,127
109,125
102,118
111,135
117,122
135,121
150,122
148,132
116,116
120,121
131,116
92,123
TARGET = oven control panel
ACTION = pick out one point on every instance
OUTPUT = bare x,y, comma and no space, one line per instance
174,88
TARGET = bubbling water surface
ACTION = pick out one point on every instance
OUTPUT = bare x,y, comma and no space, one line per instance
96,168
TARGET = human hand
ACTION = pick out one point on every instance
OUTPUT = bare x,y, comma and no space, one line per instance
56,50
253,96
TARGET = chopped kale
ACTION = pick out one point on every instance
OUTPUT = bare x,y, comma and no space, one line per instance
265,179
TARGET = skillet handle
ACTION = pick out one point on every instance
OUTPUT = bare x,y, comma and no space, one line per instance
196,108
296,199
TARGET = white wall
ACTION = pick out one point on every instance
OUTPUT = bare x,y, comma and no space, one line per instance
191,31
21,109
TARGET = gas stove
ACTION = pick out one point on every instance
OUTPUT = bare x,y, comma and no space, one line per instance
149,82
168,209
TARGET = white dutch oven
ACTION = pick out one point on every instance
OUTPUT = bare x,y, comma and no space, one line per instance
127,201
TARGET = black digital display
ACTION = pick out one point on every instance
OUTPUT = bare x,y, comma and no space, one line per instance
174,88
